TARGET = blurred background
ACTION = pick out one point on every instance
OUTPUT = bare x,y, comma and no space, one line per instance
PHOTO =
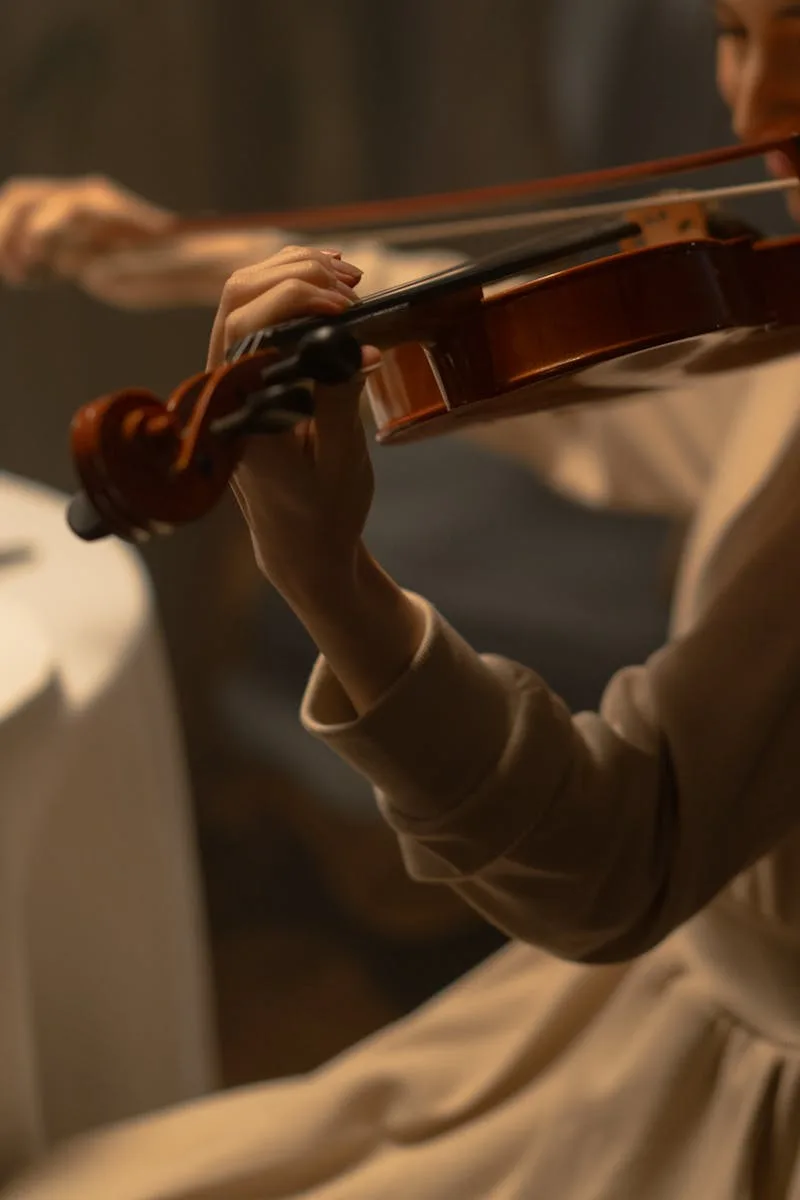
316,937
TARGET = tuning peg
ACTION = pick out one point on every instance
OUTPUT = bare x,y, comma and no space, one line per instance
84,520
271,410
329,354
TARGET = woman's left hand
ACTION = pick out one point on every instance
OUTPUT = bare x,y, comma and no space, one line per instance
306,493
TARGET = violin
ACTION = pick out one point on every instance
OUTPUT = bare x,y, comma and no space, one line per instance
676,294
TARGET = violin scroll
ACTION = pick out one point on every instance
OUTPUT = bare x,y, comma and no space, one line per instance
147,466
144,467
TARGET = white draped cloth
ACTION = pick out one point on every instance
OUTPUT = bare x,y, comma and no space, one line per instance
104,1010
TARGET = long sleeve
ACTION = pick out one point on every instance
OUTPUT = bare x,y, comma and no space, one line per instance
596,835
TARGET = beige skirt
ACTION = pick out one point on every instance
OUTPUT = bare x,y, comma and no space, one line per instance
529,1078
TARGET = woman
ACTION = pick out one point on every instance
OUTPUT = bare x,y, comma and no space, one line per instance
642,1037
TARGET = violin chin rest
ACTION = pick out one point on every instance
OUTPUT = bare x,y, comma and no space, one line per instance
84,520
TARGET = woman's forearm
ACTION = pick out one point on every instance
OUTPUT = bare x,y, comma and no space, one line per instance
365,626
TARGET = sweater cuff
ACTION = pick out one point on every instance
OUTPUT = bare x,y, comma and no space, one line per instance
433,737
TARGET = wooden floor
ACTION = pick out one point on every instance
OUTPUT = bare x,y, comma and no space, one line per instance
318,936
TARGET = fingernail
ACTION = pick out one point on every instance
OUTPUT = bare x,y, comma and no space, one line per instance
351,268
346,291
333,253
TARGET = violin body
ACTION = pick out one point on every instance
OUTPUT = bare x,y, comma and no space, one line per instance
635,322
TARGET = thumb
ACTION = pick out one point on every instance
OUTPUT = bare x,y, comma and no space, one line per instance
337,408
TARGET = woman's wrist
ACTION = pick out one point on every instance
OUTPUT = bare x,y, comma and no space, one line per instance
364,625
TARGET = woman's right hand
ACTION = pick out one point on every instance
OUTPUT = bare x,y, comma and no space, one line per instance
59,225
111,243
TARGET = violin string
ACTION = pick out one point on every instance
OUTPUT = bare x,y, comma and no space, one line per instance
471,226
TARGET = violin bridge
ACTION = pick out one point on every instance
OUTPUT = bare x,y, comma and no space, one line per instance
683,220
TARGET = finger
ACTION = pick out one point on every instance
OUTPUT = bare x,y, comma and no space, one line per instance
331,402
15,211
26,185
108,203
91,207
64,231
286,299
142,216
371,359
298,254
247,283
56,217
331,258
259,281
337,410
